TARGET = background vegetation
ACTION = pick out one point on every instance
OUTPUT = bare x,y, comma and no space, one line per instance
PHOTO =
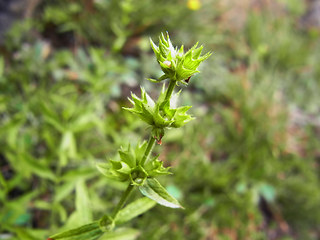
246,168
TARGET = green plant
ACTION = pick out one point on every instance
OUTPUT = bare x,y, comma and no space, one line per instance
126,20
137,166
248,170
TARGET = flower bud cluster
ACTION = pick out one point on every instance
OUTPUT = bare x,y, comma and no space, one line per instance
175,63
129,167
159,115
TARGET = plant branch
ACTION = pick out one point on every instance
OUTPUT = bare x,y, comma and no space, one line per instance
147,153
172,84
122,201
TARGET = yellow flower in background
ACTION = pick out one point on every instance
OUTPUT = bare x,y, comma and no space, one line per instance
194,4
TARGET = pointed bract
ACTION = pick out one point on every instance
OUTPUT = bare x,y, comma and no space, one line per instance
128,168
159,115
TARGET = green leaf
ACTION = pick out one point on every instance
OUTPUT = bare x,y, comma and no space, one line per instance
83,202
104,168
68,144
140,150
181,117
64,191
26,234
62,211
50,117
89,231
153,190
84,122
79,173
143,107
121,167
155,168
134,209
128,157
152,80
107,170
37,167
121,234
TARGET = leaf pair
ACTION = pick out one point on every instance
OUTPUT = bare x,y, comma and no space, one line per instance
96,230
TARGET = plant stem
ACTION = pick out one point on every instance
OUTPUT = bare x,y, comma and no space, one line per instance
122,201
147,153
130,187
151,143
172,84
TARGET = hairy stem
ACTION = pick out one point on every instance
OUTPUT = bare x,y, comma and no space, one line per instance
122,201
147,153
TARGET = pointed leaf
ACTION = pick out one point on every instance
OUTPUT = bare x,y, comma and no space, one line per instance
79,173
68,144
121,234
140,150
123,167
86,232
153,190
37,166
134,209
155,168
163,77
64,190
153,80
83,205
110,173
127,157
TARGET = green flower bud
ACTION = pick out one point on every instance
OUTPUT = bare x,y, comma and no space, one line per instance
177,65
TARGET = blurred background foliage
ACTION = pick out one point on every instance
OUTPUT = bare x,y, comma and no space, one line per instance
246,168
